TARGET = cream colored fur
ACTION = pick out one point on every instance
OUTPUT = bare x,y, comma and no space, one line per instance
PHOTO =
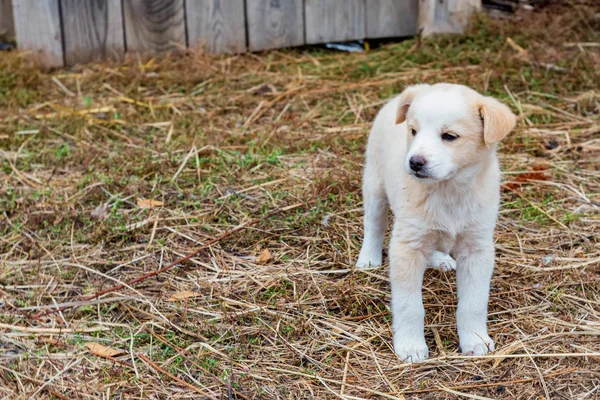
444,214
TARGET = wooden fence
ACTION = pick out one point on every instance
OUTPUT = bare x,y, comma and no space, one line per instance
66,32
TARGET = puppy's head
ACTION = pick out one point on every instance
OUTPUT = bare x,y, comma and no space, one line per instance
450,128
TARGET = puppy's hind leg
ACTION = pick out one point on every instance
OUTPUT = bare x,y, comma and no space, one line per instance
375,219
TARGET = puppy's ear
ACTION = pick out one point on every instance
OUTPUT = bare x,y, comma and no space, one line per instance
498,120
405,99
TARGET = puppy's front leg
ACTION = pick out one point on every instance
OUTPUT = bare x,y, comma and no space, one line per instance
407,266
475,265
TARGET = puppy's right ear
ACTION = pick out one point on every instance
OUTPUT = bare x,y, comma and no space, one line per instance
405,99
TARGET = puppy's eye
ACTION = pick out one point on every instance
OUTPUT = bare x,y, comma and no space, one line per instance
413,132
449,137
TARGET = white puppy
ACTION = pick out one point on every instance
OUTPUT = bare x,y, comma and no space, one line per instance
431,157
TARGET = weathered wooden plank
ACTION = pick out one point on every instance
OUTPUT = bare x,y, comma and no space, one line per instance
154,25
391,18
445,16
37,28
274,23
334,20
7,27
218,25
93,30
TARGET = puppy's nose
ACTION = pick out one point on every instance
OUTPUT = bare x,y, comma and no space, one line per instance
417,163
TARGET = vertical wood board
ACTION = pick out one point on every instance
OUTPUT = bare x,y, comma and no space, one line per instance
334,20
154,25
391,18
218,25
37,28
445,16
7,27
274,23
93,30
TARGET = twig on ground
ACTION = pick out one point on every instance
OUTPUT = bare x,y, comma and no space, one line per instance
173,264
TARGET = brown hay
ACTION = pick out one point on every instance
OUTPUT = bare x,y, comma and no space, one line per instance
211,143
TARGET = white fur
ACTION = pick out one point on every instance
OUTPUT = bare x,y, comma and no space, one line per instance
439,260
432,110
451,211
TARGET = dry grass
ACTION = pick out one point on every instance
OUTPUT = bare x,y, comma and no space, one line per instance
277,139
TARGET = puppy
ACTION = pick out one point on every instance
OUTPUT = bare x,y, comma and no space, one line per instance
431,158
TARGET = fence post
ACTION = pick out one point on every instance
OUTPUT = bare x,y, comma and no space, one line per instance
445,16
37,28
391,18
154,25
275,23
218,25
7,27
93,30
334,20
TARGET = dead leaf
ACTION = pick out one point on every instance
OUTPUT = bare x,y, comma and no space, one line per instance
148,203
528,176
103,351
186,294
264,256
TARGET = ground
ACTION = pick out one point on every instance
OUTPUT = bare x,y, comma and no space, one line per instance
111,171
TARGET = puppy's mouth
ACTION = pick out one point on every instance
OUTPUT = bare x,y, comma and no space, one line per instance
422,175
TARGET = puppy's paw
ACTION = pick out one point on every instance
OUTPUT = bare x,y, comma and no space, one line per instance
411,351
368,262
439,260
476,345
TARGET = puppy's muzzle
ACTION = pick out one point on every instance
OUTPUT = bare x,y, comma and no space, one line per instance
417,163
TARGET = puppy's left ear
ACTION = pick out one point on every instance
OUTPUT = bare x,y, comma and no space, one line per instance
498,120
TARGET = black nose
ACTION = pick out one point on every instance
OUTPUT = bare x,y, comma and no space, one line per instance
417,163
